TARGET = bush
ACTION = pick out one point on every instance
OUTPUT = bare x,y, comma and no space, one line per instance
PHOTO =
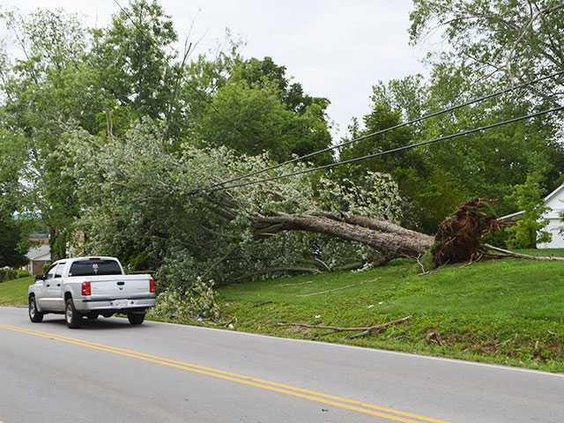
22,274
7,274
197,302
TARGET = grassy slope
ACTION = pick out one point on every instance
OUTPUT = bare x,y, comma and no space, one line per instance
14,292
507,311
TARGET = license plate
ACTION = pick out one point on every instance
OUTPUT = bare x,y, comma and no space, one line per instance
120,303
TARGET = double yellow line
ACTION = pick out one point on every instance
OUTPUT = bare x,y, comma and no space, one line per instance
282,388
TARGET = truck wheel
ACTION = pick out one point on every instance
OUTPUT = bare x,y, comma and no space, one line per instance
135,318
73,317
34,315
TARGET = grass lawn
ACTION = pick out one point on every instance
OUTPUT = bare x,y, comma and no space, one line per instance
506,311
14,292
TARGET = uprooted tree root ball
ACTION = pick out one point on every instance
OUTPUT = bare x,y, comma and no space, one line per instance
459,237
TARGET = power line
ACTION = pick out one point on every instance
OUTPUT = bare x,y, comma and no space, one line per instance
220,185
391,128
393,150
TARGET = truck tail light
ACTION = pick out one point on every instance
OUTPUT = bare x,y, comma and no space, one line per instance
152,287
86,289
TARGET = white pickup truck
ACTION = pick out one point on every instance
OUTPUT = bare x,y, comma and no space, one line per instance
88,287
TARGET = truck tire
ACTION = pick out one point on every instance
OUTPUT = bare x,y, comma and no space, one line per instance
34,315
135,318
73,317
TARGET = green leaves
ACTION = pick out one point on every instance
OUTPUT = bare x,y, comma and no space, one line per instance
138,202
134,59
254,120
527,230
497,40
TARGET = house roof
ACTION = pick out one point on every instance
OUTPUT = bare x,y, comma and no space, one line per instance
546,200
39,253
553,193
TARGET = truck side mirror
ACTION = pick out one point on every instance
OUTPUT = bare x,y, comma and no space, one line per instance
39,278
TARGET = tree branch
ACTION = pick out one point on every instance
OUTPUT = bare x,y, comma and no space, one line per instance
363,330
507,253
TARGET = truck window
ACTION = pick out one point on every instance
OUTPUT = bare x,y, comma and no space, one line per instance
59,270
51,272
94,267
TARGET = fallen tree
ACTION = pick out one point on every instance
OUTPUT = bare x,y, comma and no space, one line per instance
387,238
458,239
162,218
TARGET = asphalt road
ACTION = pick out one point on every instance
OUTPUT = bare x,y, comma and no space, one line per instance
112,372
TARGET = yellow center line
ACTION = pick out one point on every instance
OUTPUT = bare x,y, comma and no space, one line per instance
320,397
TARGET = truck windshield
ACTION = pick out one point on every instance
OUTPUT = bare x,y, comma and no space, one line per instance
93,267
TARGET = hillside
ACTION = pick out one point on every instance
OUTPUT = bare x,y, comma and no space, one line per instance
507,311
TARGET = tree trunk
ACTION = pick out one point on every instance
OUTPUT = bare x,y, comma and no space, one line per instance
389,239
458,240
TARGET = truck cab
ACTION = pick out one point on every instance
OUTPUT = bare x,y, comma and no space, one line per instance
87,287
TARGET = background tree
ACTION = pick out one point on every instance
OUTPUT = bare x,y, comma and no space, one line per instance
253,106
252,120
12,247
527,230
492,44
137,68
498,40
435,180
46,86
12,238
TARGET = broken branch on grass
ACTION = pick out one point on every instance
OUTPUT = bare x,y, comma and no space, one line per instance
330,290
507,253
363,330
423,270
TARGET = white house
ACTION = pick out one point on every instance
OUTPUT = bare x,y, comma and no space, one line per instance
555,203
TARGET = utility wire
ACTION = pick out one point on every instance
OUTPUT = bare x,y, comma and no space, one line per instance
393,150
391,128
221,185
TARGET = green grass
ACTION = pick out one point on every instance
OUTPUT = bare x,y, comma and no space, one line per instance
14,292
505,311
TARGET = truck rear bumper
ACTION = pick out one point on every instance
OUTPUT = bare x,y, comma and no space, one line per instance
113,304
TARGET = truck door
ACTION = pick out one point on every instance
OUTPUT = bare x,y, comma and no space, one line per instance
55,291
44,298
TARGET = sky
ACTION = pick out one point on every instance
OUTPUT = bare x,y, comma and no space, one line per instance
336,49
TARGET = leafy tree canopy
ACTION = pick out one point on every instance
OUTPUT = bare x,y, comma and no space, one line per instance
498,40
